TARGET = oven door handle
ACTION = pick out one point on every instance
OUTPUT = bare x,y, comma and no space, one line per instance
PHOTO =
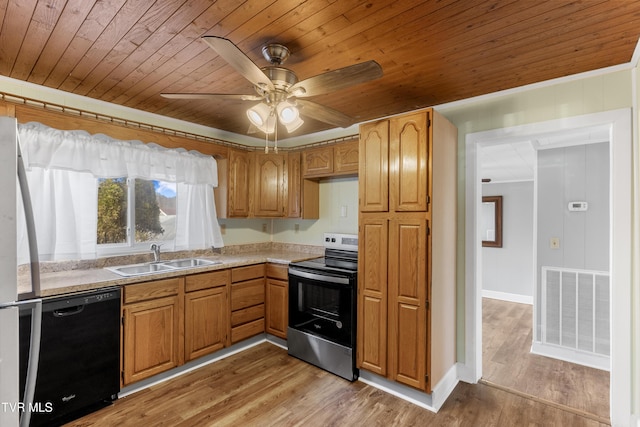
319,277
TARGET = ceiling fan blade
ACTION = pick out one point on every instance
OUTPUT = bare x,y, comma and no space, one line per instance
337,79
324,114
229,96
238,60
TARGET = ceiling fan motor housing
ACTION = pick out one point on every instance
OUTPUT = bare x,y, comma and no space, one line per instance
282,79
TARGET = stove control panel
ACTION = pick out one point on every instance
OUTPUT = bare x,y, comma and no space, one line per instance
347,242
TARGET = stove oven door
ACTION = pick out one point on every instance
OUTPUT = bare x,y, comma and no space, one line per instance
322,304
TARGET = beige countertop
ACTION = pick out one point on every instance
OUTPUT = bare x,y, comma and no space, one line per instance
78,280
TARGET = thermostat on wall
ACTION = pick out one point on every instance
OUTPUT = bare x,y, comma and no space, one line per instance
578,206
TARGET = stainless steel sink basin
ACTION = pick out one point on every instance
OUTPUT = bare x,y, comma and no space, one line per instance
140,269
190,262
158,267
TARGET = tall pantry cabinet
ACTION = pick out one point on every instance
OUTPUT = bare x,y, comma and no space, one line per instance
407,237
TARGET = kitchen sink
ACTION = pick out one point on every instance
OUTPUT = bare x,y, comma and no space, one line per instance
159,267
190,262
140,269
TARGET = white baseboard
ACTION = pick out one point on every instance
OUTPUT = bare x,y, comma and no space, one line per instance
505,296
591,360
433,402
467,374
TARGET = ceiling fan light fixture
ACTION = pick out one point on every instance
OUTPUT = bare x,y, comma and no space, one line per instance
294,124
287,112
261,116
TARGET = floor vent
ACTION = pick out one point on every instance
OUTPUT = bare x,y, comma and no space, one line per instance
575,318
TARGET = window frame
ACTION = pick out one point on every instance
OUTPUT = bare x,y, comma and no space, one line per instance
130,246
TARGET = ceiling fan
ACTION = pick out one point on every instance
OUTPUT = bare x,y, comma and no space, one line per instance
278,90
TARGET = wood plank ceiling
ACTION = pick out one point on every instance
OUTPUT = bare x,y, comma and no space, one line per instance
436,51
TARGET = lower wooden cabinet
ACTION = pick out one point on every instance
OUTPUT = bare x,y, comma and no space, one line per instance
277,300
151,329
172,321
247,302
206,322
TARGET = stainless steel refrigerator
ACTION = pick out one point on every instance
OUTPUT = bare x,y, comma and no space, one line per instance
15,409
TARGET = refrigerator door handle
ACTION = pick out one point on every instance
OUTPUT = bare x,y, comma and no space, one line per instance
31,227
32,367
36,314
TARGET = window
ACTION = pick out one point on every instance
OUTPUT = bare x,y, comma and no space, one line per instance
146,206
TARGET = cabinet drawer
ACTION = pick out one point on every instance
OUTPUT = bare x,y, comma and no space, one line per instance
247,330
240,274
246,294
150,290
278,271
246,315
196,282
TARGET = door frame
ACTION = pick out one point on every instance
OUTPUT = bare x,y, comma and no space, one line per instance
620,255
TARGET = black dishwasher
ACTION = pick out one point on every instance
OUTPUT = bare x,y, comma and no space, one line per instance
79,365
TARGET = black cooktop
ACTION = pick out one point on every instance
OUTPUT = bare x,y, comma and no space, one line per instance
328,264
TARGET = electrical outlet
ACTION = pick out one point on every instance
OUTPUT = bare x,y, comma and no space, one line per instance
223,228
296,228
554,243
264,227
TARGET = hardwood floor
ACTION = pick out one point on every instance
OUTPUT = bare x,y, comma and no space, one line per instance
507,362
263,386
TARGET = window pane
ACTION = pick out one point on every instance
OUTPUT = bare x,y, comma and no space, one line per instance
112,210
155,210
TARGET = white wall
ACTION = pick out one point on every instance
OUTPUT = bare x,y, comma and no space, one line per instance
334,194
537,103
578,173
507,272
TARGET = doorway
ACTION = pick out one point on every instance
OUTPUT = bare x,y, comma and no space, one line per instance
618,124
575,166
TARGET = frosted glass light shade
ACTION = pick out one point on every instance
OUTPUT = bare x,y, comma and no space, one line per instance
262,118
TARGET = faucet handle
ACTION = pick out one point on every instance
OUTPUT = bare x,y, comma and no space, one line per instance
155,246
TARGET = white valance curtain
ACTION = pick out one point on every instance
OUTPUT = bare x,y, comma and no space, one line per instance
62,170
105,157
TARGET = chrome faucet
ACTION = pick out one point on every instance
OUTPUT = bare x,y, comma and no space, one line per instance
155,248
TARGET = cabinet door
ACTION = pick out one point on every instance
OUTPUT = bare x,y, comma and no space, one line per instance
277,316
409,162
239,182
269,187
345,158
150,338
371,351
373,173
407,300
206,321
317,162
294,184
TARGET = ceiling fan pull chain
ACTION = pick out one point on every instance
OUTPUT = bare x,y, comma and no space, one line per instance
275,138
266,143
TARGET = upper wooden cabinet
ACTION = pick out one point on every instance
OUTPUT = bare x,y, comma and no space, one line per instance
395,156
409,157
270,185
330,160
317,162
294,186
280,185
345,158
373,178
239,183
